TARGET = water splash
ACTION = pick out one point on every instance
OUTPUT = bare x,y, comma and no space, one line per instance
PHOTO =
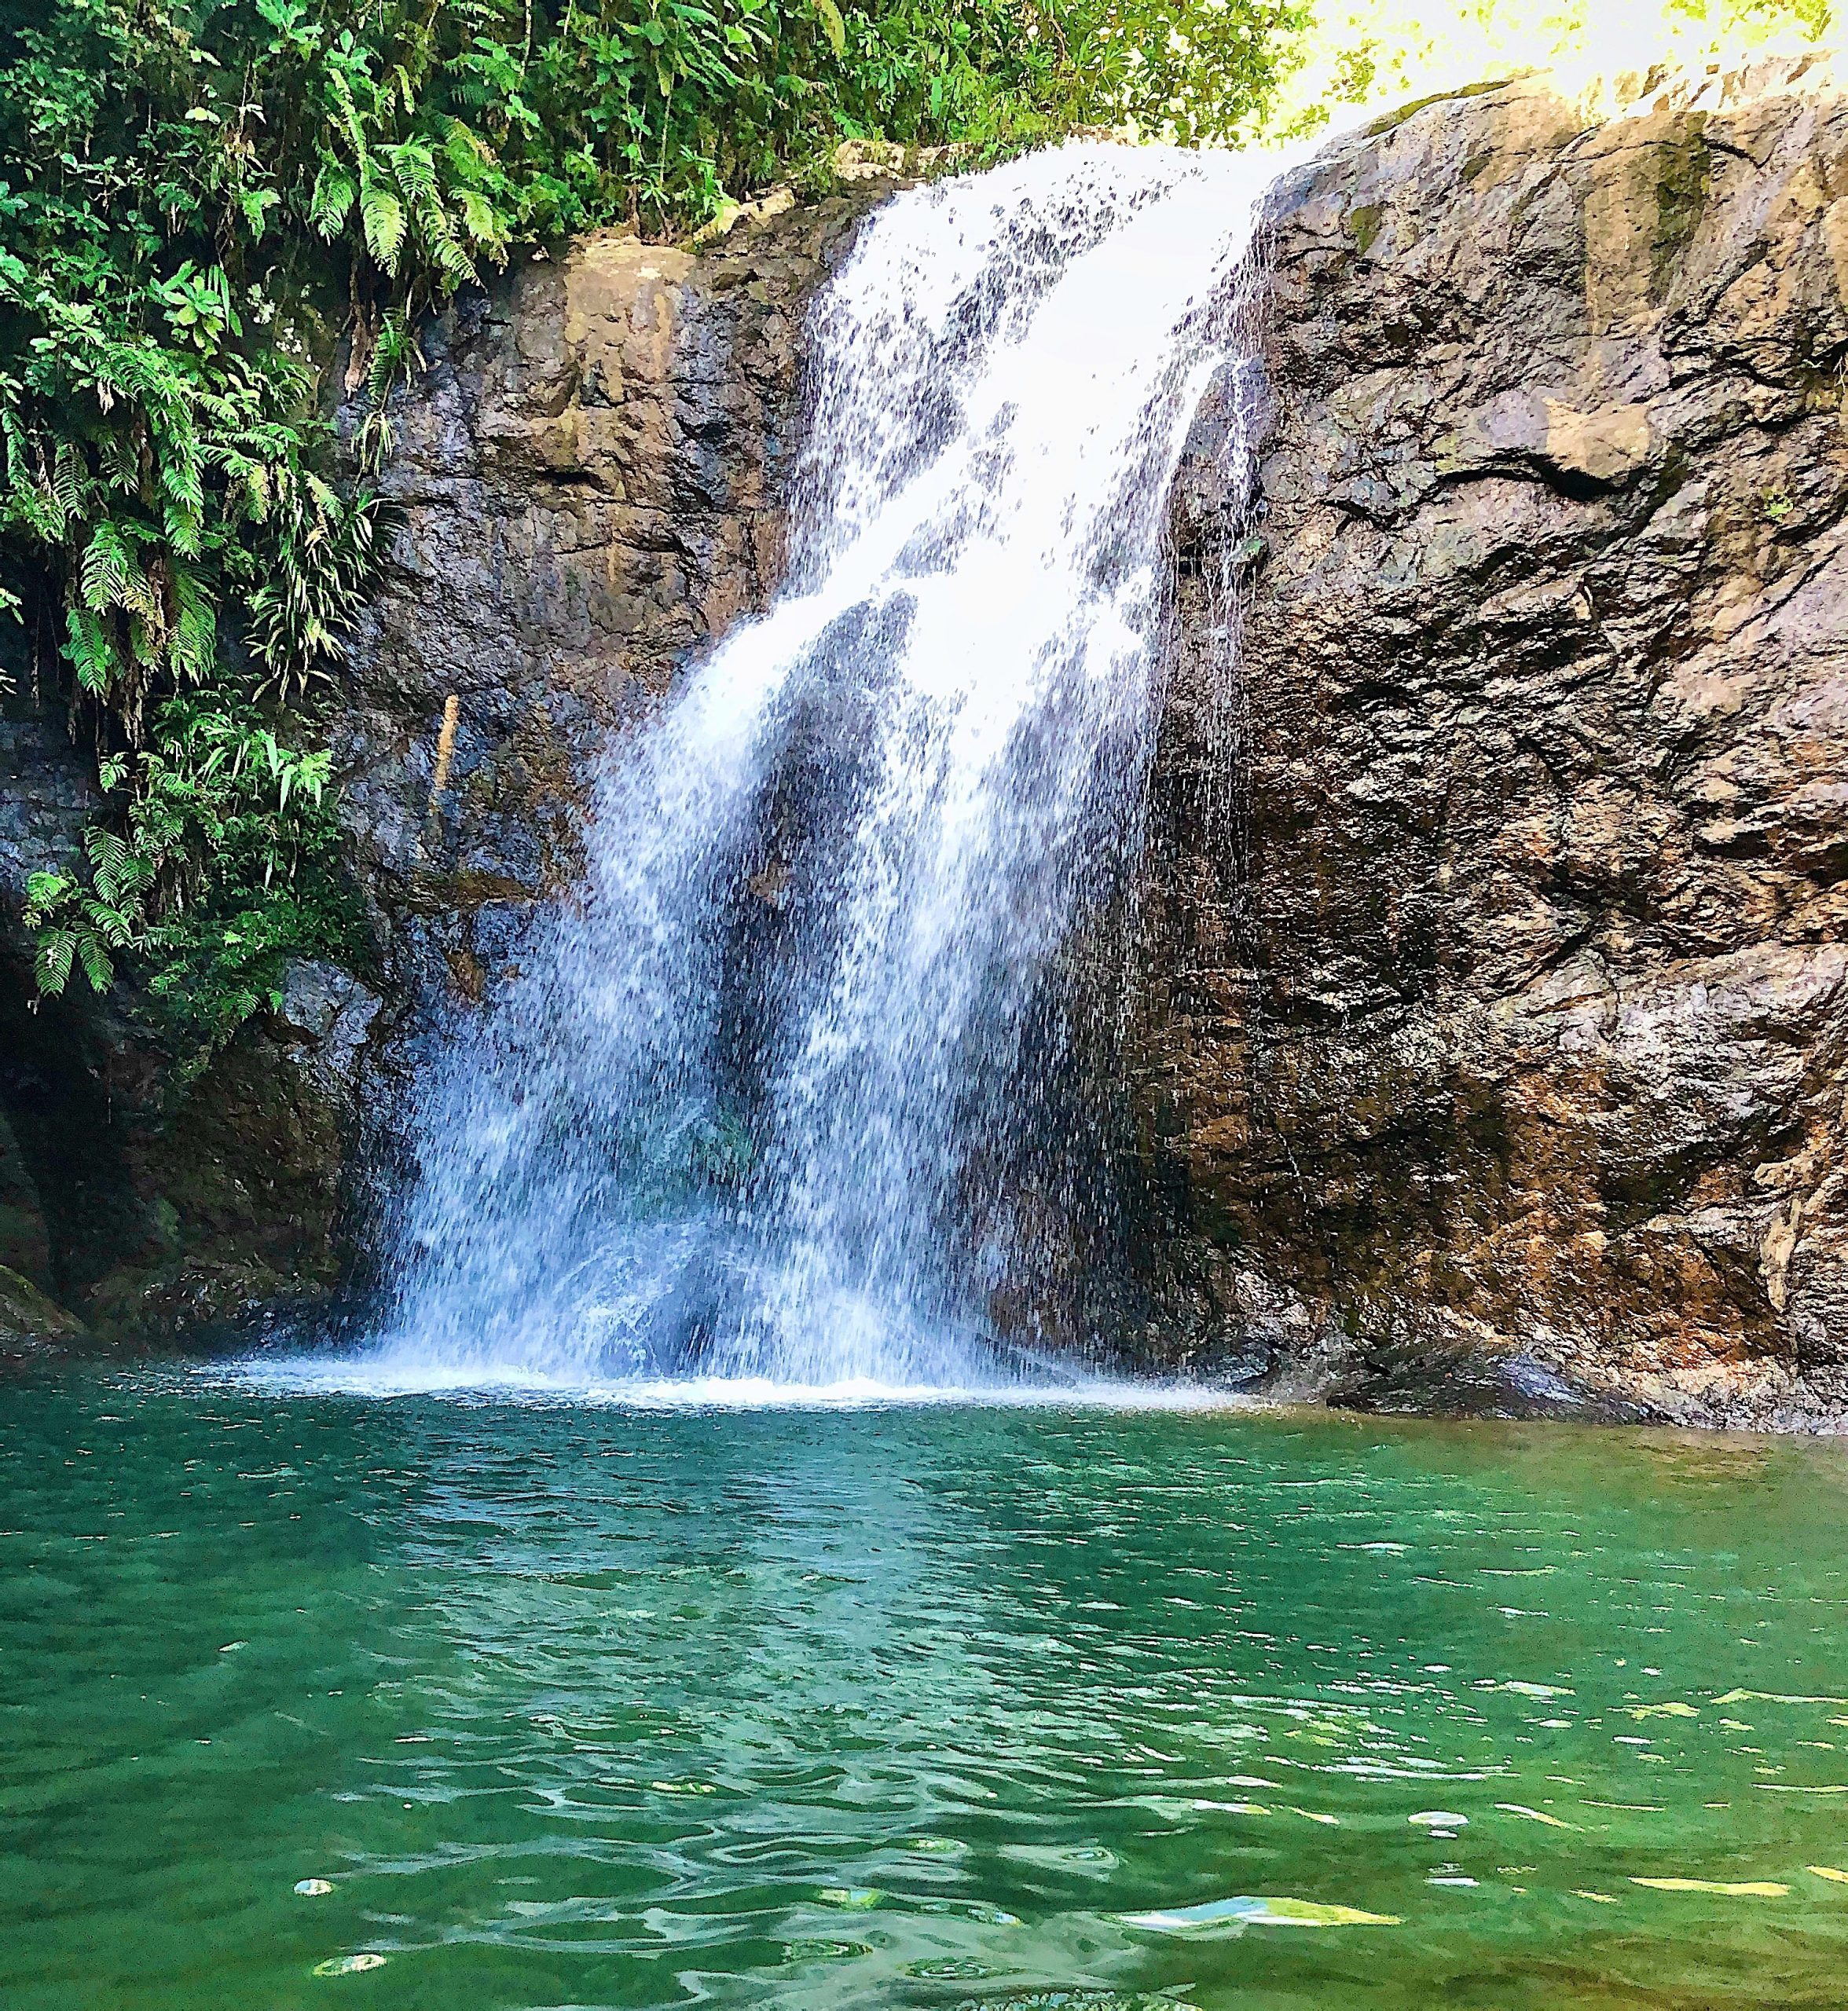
762,1104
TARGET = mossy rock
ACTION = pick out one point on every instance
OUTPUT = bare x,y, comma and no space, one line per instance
1383,125
33,1327
207,1301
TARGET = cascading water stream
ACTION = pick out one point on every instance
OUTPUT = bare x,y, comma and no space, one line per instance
759,1103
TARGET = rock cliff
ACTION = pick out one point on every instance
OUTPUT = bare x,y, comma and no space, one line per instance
588,484
1496,1006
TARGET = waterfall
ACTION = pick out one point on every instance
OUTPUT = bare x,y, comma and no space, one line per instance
759,1101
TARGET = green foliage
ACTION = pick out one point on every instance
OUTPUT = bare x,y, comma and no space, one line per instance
994,77
224,869
199,197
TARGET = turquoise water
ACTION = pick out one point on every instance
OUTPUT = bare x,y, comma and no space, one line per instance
892,1708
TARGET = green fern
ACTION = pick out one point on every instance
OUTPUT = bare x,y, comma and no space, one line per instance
64,493
107,571
93,653
195,630
332,202
382,215
52,964
485,227
95,959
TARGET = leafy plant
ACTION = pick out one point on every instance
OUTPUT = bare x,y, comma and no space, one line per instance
225,867
202,200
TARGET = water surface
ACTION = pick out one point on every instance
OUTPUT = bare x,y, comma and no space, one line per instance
913,1707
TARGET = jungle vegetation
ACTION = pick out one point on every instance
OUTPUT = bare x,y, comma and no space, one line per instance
202,201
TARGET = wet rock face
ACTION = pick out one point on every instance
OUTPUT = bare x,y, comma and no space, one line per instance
588,483
1495,1014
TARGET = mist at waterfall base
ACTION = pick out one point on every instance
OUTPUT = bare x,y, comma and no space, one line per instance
779,1103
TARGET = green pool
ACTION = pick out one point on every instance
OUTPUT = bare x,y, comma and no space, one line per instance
316,1700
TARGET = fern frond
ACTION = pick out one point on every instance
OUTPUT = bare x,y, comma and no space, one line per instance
106,569
46,893
108,854
415,173
347,113
467,156
382,218
96,966
332,202
120,457
194,643
183,480
483,223
254,477
395,355
67,482
51,965
92,652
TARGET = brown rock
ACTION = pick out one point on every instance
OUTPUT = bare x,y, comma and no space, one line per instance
589,485
1508,1023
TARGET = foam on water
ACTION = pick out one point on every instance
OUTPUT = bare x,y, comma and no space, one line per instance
304,1376
772,1110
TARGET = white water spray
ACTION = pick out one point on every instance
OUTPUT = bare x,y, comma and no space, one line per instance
757,1105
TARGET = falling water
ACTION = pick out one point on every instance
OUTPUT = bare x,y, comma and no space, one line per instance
760,1103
